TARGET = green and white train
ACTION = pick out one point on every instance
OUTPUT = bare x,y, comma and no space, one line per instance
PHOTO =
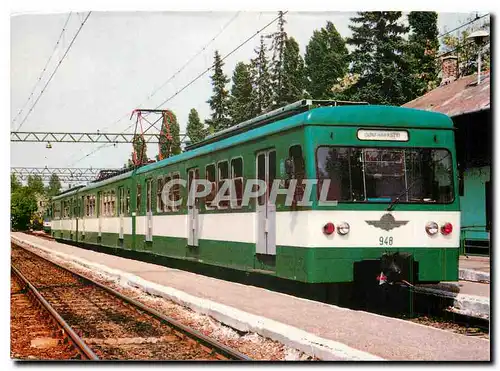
393,192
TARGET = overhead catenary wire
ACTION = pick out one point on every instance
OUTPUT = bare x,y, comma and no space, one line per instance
463,25
44,68
204,72
222,59
205,46
182,68
55,70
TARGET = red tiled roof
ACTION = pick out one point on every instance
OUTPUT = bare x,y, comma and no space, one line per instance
456,98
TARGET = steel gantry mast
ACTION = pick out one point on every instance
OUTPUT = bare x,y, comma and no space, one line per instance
65,174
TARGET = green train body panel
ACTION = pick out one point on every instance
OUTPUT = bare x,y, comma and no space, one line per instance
332,126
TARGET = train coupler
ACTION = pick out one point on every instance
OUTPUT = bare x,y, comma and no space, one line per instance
396,268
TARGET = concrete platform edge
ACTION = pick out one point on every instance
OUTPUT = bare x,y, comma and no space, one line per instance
473,275
309,343
471,305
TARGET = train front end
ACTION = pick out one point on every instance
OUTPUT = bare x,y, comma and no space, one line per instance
387,202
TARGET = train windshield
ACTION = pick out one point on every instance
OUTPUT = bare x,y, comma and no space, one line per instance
416,175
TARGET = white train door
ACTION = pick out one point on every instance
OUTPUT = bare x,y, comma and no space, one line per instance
193,210
266,210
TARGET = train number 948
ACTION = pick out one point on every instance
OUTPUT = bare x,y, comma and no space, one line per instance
385,241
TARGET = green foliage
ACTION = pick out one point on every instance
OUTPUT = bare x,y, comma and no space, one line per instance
22,208
15,184
276,70
140,149
241,94
169,147
195,130
294,79
262,93
378,58
325,60
166,139
219,102
54,186
466,50
35,184
423,45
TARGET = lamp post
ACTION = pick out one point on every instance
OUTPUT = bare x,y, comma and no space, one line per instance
480,37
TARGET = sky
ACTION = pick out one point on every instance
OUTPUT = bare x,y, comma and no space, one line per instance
119,59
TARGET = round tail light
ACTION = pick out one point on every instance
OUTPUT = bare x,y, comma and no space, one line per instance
446,229
329,228
343,228
431,228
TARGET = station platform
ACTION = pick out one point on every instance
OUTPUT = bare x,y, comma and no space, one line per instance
326,331
474,268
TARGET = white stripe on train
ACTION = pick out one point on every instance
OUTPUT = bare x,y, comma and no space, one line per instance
302,229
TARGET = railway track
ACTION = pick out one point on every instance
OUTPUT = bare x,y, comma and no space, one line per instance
113,326
37,329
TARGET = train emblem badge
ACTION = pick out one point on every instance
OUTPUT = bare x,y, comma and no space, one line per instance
386,222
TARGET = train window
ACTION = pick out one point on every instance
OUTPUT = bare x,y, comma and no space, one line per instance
127,202
210,176
100,209
168,178
237,178
121,201
223,176
93,212
159,201
148,194
138,200
113,203
175,191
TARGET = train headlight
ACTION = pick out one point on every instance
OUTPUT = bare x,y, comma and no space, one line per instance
343,228
328,228
431,228
446,229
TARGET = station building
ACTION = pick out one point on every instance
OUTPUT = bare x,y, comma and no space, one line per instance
467,103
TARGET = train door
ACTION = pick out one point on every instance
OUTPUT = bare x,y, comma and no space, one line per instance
76,214
101,203
83,214
193,210
121,209
266,210
149,211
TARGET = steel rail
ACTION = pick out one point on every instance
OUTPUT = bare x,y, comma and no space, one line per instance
204,340
77,341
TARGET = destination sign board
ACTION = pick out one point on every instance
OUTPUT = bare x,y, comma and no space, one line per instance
399,135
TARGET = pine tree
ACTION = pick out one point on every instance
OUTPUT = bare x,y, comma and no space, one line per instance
385,76
54,185
277,63
326,60
194,128
294,80
241,94
423,45
261,80
219,102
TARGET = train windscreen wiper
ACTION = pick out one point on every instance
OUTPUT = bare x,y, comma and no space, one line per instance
391,205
